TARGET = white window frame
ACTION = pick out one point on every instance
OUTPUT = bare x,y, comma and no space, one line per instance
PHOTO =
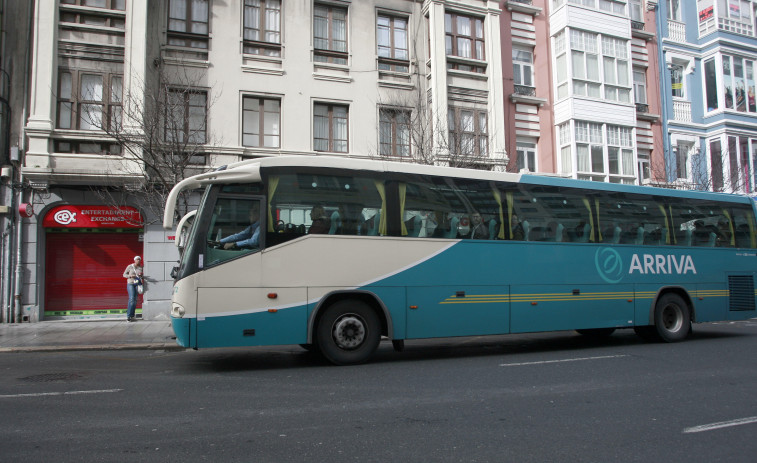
526,156
674,10
523,69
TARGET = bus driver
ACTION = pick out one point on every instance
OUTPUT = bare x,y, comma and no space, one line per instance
249,237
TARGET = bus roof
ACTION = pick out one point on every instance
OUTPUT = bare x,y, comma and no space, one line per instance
250,171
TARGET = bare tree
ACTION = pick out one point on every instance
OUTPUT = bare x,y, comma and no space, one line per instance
160,127
722,171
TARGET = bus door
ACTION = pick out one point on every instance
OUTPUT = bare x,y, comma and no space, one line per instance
443,311
230,271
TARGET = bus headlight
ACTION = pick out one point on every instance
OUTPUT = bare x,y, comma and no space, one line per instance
177,311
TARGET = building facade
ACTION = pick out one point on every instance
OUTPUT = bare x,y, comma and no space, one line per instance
708,53
219,82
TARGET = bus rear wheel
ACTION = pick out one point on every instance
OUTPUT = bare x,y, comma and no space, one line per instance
672,318
348,333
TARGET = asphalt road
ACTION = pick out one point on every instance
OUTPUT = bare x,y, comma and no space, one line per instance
554,397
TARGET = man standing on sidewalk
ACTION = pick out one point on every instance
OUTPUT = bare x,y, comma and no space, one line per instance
133,275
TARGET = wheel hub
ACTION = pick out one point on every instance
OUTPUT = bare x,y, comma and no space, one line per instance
349,331
672,318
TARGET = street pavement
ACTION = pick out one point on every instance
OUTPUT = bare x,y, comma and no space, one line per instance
62,335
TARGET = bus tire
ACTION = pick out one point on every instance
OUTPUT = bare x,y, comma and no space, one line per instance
672,318
596,332
348,333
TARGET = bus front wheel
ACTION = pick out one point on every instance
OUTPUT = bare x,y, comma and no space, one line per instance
672,319
348,332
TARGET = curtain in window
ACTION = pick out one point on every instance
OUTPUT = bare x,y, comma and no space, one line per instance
252,20
321,28
403,194
463,44
510,205
498,199
384,37
91,89
627,162
321,128
583,158
271,110
340,129
339,30
382,220
400,39
587,203
273,21
273,183
177,14
200,17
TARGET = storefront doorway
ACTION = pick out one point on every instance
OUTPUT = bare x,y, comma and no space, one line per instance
87,249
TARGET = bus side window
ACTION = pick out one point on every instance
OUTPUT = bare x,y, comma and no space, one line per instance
744,226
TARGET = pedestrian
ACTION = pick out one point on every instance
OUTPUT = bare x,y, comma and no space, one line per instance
133,275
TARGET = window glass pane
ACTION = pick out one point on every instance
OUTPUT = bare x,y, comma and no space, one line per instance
597,161
91,87
116,84
64,115
65,85
90,117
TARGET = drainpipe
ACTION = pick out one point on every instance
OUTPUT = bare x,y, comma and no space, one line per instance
19,277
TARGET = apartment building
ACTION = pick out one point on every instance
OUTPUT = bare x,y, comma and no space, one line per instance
592,109
407,79
708,51
604,93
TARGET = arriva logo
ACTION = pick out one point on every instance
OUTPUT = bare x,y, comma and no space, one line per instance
660,264
610,265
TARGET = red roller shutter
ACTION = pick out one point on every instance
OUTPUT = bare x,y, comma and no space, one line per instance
84,270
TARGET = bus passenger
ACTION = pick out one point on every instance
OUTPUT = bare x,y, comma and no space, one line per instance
249,237
321,223
517,228
478,231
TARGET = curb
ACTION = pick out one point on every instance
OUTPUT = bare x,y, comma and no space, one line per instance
151,346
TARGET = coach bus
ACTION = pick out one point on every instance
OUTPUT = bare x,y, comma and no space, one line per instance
339,253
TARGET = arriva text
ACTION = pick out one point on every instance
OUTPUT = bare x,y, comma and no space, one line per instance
662,264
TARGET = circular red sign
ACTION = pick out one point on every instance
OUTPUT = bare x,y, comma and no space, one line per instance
25,210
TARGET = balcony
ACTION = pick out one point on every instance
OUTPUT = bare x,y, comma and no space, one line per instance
525,90
526,94
682,111
523,6
642,108
677,31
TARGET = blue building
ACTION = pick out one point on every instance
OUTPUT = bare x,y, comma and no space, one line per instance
708,53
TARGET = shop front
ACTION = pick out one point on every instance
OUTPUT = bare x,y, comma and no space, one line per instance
87,249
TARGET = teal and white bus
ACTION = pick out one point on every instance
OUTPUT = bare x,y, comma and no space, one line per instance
349,251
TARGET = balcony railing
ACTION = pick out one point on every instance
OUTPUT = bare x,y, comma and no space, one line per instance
682,111
677,31
642,108
525,90
527,2
637,25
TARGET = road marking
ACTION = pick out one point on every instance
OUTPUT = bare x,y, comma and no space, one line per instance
562,361
722,424
45,394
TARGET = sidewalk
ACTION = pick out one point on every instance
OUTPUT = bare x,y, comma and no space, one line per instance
49,336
